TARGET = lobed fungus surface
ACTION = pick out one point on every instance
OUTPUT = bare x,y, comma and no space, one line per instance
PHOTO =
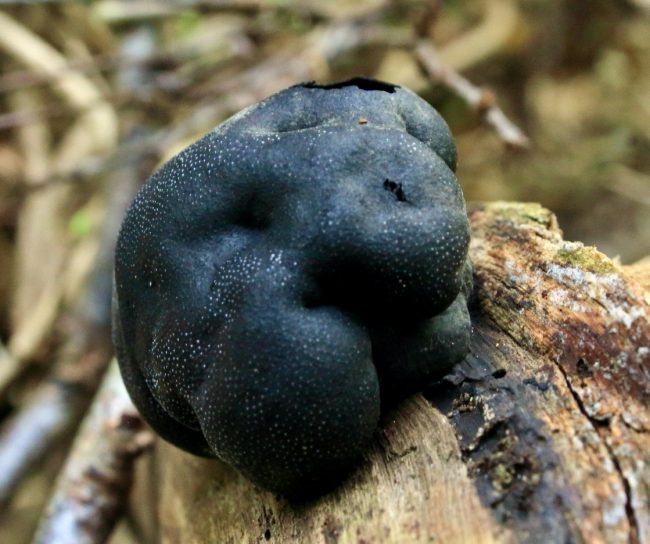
285,276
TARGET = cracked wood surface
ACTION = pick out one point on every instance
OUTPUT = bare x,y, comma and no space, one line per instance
541,435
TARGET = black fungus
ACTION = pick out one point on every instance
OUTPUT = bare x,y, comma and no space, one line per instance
285,276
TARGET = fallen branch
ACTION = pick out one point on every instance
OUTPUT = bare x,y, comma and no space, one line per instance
59,403
90,494
30,434
481,100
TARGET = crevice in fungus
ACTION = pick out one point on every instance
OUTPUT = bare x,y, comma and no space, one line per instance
255,215
396,189
365,84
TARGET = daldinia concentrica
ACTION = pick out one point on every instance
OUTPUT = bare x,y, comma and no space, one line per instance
282,277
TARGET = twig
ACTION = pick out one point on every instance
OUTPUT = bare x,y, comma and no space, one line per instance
95,130
20,79
91,491
9,367
630,184
494,34
59,403
34,52
642,4
26,439
113,11
97,126
481,100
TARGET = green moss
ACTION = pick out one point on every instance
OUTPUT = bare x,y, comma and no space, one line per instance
522,212
80,224
507,442
586,258
502,476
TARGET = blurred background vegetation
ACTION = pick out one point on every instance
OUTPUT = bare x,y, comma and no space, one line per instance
94,95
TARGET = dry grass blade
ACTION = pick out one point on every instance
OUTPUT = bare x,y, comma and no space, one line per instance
32,51
499,25
58,403
9,367
42,245
118,10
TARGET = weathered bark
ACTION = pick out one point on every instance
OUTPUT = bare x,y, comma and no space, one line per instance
542,435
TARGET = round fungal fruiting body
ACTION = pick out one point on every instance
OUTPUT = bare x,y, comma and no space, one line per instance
285,274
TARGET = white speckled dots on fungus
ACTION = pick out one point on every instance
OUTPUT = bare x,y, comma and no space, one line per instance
283,277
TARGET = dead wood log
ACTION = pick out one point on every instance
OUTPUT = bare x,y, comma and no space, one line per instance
541,435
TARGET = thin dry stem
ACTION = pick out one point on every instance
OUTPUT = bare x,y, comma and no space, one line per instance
42,245
59,402
481,100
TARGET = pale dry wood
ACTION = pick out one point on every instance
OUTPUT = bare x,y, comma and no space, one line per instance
96,128
412,485
24,440
115,11
33,138
31,50
541,435
31,238
39,254
8,364
59,402
42,242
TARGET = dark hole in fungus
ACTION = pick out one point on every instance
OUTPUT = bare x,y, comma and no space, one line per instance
254,215
312,299
267,534
396,189
499,373
365,84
